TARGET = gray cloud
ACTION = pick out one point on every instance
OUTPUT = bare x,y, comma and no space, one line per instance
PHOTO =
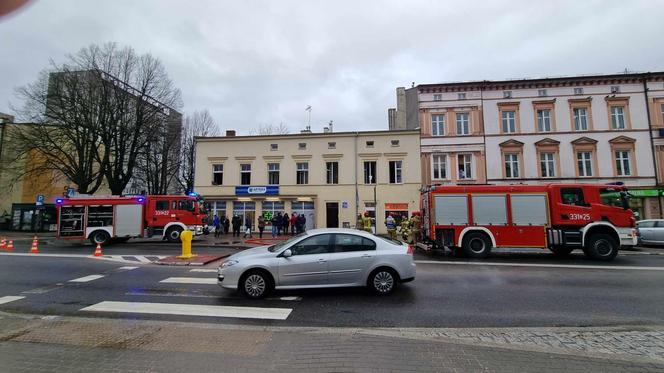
254,62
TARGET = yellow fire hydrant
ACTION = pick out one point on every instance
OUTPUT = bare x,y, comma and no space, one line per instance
186,237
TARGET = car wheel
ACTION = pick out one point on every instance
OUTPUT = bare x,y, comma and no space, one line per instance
100,237
476,245
255,284
173,234
383,281
601,246
561,250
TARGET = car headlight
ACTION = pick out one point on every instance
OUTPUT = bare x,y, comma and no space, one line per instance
228,263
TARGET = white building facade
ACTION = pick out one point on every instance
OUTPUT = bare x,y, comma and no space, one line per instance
590,129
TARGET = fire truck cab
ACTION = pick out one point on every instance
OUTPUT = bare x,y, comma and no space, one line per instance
104,218
561,217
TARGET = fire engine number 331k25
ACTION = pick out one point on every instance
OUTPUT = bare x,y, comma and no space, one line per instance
104,219
560,217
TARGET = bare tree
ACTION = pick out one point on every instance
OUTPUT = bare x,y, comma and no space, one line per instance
197,124
270,129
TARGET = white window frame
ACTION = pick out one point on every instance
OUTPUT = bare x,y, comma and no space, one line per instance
509,121
437,97
216,171
396,170
623,162
332,172
245,171
466,165
549,163
302,169
511,160
544,121
578,90
439,165
438,124
368,175
463,122
579,119
618,117
542,93
507,94
461,96
272,169
584,165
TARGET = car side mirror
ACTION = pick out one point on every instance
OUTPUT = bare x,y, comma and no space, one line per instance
287,253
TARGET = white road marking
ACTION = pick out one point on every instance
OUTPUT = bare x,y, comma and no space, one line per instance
541,265
127,268
205,270
142,259
189,295
9,298
286,298
87,278
191,280
191,310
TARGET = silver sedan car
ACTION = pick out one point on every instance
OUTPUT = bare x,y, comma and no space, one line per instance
320,258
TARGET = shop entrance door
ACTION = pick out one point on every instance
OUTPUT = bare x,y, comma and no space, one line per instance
332,214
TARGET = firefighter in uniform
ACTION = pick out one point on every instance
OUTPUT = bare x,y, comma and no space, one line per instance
366,222
359,224
391,226
416,225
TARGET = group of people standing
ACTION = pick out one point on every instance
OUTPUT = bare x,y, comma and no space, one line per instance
282,224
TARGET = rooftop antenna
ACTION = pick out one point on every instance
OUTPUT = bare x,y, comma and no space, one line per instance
309,119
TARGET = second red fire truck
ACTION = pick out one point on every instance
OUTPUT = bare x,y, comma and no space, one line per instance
560,217
104,218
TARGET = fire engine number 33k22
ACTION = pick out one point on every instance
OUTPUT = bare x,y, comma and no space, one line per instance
105,219
561,217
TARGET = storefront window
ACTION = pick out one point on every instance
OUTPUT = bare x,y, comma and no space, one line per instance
271,209
244,210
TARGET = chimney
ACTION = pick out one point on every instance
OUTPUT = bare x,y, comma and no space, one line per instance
230,133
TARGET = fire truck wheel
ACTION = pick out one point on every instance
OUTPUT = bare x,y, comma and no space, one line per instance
561,250
173,234
476,245
601,246
100,237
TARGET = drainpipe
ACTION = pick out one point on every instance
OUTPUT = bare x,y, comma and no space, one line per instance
486,156
357,192
652,141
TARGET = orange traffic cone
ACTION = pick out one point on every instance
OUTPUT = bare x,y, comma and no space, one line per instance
34,249
98,250
10,245
3,243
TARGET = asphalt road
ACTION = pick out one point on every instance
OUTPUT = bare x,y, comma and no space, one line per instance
507,290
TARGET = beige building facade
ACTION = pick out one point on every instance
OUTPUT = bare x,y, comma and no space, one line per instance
329,177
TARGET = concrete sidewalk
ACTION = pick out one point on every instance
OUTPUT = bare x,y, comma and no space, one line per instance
52,343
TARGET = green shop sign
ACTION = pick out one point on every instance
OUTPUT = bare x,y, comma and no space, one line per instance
645,192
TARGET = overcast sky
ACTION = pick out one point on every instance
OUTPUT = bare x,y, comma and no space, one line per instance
257,62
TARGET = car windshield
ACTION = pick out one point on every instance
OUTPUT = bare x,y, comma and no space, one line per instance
280,245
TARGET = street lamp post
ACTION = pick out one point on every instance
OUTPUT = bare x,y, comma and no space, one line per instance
373,180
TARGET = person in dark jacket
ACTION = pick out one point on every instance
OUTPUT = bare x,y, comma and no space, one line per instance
237,223
301,223
247,226
285,221
225,223
279,223
261,226
274,222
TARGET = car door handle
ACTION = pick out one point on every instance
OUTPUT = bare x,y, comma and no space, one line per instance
322,261
366,256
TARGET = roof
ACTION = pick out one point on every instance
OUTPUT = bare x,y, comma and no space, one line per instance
310,135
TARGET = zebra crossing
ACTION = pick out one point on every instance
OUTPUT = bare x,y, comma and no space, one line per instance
178,292
140,259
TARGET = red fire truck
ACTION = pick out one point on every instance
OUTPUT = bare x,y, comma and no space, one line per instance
104,218
561,217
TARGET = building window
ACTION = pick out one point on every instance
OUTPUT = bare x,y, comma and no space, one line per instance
509,121
618,117
439,166
615,89
584,161
463,123
438,124
438,97
511,165
370,144
507,94
217,174
578,91
331,145
542,92
548,164
273,173
332,172
544,120
580,119
302,146
622,163
302,173
394,142
661,107
465,162
462,96
395,172
245,174
274,147
370,172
